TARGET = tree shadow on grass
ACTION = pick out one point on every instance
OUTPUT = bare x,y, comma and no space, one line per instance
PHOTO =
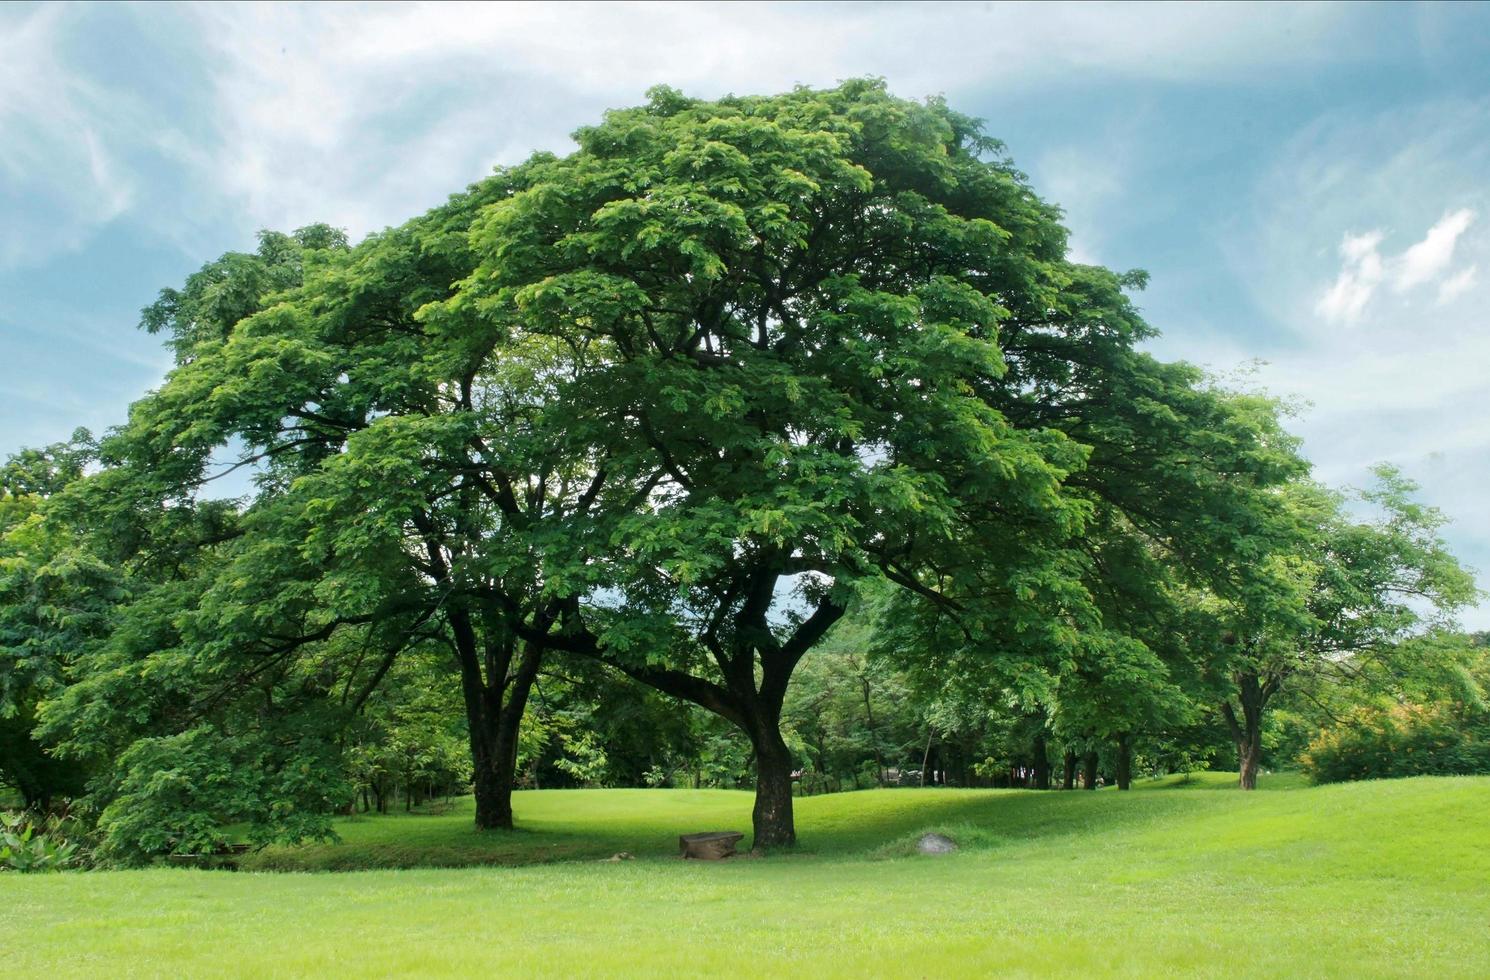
577,825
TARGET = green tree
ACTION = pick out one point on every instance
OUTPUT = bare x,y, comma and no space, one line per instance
788,312
1337,592
55,596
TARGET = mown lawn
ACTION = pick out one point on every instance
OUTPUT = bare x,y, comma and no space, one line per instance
1368,879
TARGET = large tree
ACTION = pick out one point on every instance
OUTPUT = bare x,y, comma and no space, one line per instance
369,530
790,310
662,403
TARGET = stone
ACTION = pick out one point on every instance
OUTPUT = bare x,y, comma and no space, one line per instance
713,845
936,844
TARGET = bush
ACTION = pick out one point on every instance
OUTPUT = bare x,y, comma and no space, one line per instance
31,843
1403,740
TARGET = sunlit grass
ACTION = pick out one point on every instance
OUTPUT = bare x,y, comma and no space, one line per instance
1367,879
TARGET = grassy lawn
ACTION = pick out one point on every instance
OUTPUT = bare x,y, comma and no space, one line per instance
1367,879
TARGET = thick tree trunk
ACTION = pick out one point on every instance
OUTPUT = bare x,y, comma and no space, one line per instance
497,672
1068,770
772,818
496,757
1089,770
1042,763
755,673
493,722
493,785
1124,761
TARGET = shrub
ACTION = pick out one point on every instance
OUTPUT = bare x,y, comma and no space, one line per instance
1403,740
30,843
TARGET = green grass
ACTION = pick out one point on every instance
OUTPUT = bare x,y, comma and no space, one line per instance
1365,879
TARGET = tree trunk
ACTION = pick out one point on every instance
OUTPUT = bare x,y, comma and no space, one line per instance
926,758
1249,756
496,760
1253,693
1068,772
772,818
1124,761
1042,763
493,723
1089,770
495,682
492,781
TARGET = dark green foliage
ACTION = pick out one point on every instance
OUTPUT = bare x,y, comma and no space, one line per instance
178,793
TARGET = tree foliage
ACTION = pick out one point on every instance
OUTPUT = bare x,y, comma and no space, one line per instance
668,408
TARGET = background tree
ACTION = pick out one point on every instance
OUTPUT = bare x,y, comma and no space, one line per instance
55,596
1342,592
1420,708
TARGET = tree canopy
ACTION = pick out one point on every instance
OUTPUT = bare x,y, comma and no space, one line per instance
672,404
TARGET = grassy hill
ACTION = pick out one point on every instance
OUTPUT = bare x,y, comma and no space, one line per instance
1365,879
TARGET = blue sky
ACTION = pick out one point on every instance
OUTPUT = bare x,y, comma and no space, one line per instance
1308,186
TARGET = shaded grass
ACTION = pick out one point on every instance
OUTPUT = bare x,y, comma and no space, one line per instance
578,824
1365,879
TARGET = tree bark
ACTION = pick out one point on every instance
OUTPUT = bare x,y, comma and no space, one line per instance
1249,757
493,778
1089,770
1253,694
1124,761
1042,763
1068,773
493,721
772,817
495,684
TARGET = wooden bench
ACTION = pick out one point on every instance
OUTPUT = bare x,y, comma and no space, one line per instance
714,845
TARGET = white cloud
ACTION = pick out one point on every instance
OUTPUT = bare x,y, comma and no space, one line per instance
1457,285
1364,268
1362,272
1427,259
363,115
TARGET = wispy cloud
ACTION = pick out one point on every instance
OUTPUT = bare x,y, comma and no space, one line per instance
362,114
1405,382
1364,268
1457,285
1362,272
1429,258
59,134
